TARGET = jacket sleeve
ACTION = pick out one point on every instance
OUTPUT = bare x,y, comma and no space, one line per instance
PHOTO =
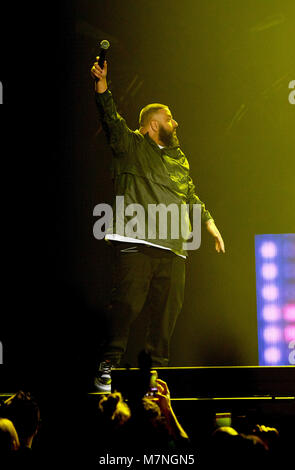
118,134
192,198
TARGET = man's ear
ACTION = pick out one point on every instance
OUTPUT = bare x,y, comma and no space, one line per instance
154,125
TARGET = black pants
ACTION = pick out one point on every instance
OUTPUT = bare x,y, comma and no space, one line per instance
144,278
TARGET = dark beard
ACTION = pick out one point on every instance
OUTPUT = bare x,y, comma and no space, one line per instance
169,139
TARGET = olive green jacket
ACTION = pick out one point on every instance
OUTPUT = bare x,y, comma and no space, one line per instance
147,175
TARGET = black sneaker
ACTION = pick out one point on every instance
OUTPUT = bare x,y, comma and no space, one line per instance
103,380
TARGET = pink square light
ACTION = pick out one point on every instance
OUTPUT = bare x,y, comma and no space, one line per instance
289,312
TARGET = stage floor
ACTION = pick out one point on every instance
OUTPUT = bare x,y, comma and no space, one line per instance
217,382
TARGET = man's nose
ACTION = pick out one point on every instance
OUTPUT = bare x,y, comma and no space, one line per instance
175,123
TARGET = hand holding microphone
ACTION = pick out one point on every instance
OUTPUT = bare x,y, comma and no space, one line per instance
97,72
99,68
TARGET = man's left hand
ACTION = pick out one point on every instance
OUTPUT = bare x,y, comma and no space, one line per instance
213,230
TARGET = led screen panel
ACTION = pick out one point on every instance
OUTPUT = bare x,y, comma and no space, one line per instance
275,288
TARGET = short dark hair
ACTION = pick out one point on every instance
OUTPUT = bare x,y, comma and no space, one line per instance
147,112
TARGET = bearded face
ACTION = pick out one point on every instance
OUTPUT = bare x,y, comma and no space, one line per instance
168,136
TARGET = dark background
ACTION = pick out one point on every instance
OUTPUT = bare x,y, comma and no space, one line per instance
223,67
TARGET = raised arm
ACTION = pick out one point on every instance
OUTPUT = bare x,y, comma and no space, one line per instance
115,127
164,402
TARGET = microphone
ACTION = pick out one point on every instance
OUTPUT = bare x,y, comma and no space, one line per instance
104,45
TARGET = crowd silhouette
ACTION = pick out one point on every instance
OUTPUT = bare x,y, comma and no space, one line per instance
144,423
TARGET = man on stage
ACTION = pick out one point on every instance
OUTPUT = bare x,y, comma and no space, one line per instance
149,169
